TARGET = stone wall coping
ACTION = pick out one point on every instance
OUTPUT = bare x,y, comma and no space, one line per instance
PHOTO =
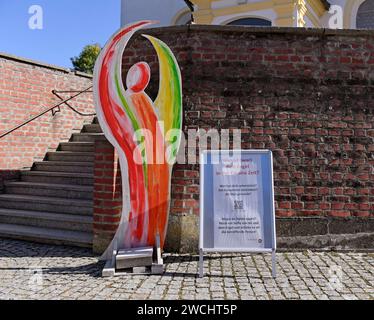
261,30
43,65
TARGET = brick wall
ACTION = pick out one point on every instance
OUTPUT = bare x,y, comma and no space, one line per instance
26,90
107,194
305,94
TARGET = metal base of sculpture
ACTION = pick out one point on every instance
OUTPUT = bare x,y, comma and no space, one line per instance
135,261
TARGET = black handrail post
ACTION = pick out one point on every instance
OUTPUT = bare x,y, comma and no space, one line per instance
69,105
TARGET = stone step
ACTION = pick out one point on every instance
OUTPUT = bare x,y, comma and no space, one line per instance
64,166
46,235
69,156
57,177
48,204
77,146
50,190
87,137
46,220
92,128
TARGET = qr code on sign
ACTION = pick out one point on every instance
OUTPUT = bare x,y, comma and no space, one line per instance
238,204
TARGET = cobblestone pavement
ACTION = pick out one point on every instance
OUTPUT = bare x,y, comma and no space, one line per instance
34,271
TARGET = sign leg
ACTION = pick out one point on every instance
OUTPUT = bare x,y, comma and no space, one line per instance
201,263
273,264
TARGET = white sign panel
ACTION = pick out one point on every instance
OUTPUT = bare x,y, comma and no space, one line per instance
237,202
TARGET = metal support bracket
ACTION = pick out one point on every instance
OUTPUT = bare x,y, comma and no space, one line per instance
110,265
158,266
55,110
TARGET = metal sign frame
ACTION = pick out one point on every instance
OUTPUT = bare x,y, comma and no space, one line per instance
203,250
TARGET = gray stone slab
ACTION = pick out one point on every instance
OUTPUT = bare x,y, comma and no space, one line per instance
157,268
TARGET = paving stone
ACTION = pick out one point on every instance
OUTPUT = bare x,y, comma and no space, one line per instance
36,271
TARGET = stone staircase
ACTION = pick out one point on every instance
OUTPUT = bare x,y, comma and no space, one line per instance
53,202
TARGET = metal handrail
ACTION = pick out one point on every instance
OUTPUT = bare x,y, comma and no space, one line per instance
51,109
55,92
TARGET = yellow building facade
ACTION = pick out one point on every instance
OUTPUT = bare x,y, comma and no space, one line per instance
286,13
334,14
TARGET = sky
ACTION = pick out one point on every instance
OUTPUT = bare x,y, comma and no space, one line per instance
67,26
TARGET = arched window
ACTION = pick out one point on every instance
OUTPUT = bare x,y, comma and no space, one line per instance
257,22
365,15
183,18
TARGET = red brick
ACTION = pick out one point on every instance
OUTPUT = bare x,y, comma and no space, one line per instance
339,213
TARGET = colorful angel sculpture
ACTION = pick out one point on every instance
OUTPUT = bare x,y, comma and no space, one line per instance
125,115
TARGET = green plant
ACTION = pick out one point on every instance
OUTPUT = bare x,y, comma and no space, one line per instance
85,62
